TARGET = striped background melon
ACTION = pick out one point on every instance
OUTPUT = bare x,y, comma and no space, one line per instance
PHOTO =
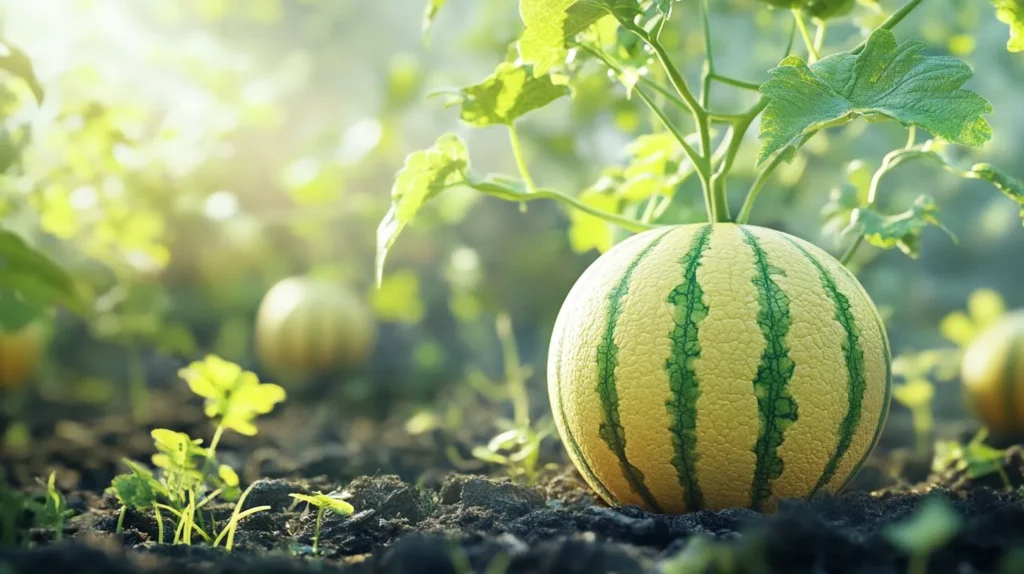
308,327
20,354
715,366
992,373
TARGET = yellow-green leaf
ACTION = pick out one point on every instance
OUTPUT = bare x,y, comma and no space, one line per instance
509,93
1011,12
425,174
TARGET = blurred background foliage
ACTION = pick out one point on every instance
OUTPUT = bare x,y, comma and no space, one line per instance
188,155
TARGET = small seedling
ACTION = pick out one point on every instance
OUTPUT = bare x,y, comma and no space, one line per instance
190,477
234,397
324,502
931,527
975,458
237,516
517,447
53,511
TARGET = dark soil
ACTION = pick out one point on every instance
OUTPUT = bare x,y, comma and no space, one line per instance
416,512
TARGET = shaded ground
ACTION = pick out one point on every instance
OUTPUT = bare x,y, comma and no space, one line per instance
414,513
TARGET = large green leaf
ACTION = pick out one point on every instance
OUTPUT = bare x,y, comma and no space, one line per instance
425,174
16,63
550,24
886,80
29,279
506,95
1012,13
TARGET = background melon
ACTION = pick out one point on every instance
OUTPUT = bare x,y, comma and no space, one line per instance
714,366
993,375
308,327
20,354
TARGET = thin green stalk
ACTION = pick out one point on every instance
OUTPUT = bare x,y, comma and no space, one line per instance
736,83
159,524
513,372
690,152
674,76
801,24
709,59
517,151
120,519
792,40
650,208
738,131
762,179
891,160
316,532
891,22
212,449
627,224
849,253
819,36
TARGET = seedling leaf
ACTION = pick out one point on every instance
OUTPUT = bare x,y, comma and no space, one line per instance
233,396
886,80
332,502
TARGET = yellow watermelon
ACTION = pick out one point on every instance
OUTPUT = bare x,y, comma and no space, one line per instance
306,327
992,373
715,366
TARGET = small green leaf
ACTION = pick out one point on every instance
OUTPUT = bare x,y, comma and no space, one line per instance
16,63
1009,185
886,80
233,395
227,475
506,95
915,393
932,526
430,12
425,174
1011,12
902,230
